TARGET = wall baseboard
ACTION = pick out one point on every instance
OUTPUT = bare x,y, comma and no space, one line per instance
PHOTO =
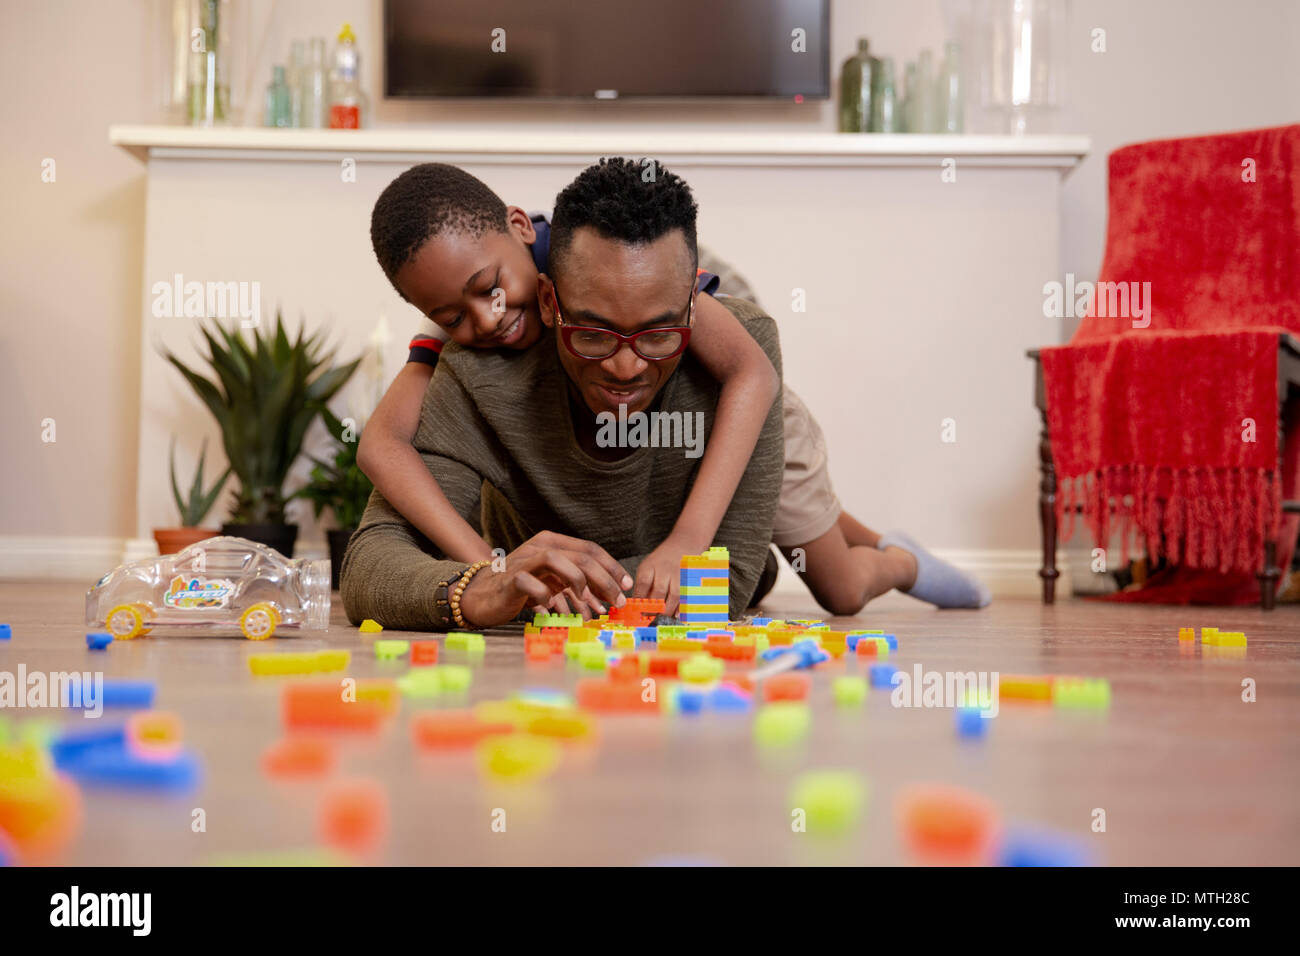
1009,572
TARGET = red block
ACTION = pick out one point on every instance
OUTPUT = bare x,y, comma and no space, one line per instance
354,815
439,729
606,695
424,652
787,687
321,705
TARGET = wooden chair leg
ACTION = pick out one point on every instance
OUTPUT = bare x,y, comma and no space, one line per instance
1047,512
1268,577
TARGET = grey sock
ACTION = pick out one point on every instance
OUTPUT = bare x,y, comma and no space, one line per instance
937,582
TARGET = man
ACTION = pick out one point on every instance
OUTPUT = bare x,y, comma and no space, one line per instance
514,440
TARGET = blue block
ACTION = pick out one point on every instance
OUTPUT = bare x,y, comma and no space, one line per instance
970,723
71,746
115,693
809,653
729,700
690,701
1026,847
761,621
5,632
606,637
890,640
98,640
696,618
118,767
882,675
772,653
696,635
851,642
696,576
648,634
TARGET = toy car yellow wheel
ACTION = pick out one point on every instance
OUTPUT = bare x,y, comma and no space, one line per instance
259,621
125,622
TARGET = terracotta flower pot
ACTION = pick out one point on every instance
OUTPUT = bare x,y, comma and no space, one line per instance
172,540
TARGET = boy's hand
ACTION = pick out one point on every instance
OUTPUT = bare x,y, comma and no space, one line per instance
566,602
659,574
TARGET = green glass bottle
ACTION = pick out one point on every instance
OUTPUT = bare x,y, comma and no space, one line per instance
856,78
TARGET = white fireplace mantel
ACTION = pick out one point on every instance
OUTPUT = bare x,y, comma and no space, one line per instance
705,148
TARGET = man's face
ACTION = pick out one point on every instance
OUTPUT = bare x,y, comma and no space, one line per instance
609,284
454,279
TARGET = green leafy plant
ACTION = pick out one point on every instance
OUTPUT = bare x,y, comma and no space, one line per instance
264,398
195,508
339,485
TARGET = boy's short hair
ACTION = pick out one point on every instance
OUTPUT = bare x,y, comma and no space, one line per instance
427,201
623,199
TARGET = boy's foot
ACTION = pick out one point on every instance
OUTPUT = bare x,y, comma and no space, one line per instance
937,582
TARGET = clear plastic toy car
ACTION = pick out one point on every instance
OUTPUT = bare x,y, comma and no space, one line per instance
217,584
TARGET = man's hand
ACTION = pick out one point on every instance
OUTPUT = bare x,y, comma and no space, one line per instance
540,568
659,574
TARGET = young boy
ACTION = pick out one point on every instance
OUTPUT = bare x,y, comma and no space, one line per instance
455,251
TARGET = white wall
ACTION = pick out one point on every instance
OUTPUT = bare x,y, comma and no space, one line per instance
71,295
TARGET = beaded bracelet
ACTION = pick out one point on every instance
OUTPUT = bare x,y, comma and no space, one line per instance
454,600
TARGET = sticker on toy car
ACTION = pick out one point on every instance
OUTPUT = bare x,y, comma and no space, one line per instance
195,593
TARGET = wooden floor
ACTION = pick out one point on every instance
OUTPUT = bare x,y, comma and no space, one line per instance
1186,772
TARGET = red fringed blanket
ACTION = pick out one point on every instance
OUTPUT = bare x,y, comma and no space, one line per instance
1163,409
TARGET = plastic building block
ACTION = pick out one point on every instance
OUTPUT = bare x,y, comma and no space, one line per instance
1209,635
114,693
299,757
354,815
947,823
593,657
517,757
324,706
849,691
309,662
465,642
154,735
6,632
566,724
441,729
369,626
882,675
40,810
1187,633
971,724
1042,847
786,687
1083,692
389,650
782,723
832,800
98,640
422,682
599,694
700,669
1230,639
728,697
689,701
455,677
118,766
424,652
1021,687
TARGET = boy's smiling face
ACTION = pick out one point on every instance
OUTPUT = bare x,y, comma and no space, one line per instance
454,279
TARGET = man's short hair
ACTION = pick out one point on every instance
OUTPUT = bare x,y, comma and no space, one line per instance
625,200
428,201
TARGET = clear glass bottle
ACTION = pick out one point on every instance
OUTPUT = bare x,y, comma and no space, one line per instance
345,83
297,65
884,99
209,85
279,109
315,92
856,83
907,109
923,101
951,93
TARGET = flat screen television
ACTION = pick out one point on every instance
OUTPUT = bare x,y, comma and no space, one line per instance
607,49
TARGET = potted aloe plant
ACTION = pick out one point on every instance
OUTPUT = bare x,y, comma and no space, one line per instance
264,396
341,486
193,507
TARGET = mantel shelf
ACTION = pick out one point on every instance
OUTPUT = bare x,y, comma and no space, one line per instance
516,144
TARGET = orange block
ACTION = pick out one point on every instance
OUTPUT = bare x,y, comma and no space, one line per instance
787,687
606,695
627,669
354,815
424,652
731,652
298,757
1025,687
41,816
441,729
321,704
664,663
867,648
947,823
